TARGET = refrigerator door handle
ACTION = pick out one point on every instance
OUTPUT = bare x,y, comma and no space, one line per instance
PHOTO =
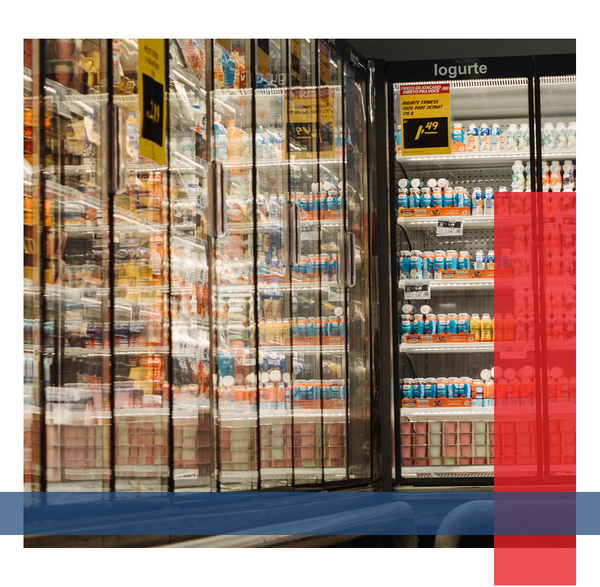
350,265
218,199
295,246
117,123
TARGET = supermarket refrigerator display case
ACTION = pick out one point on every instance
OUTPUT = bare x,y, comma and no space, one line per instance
286,400
463,140
196,294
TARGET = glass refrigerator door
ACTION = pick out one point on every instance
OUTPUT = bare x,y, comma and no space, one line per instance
446,339
190,284
76,345
234,296
273,264
307,324
141,288
358,292
331,193
557,266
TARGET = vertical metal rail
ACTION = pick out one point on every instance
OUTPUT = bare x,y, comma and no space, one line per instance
211,245
345,57
255,254
38,73
373,291
288,90
539,301
317,143
111,256
391,253
169,373
380,192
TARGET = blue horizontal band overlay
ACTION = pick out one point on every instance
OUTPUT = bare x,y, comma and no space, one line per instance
300,513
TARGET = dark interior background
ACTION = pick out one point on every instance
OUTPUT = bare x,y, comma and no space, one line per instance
417,49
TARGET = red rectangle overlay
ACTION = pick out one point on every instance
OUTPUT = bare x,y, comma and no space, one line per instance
534,369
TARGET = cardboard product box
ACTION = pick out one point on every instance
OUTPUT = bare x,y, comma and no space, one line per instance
440,338
466,274
440,402
433,212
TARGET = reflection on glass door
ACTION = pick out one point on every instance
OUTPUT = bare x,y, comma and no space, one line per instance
307,323
32,290
330,193
189,323
357,224
76,345
234,257
188,165
274,300
141,301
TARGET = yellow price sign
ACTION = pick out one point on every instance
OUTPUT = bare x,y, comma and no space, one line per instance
425,119
151,95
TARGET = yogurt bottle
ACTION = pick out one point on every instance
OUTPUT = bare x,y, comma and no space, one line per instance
496,137
467,383
404,265
549,136
452,323
442,324
524,137
416,265
561,136
472,138
458,136
426,198
464,260
512,137
430,324
555,176
453,384
568,176
430,387
571,135
479,261
484,138
463,324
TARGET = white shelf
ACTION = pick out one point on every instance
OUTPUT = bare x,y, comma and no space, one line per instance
448,347
119,350
451,284
282,285
490,156
447,412
559,154
316,348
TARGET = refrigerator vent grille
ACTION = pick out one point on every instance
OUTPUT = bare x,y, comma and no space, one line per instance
271,91
559,79
488,83
475,83
451,475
